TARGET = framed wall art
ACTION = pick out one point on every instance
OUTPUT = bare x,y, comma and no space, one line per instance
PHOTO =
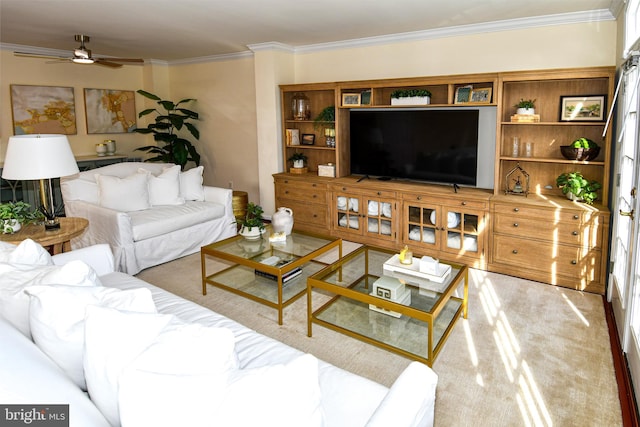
308,139
43,109
590,108
480,96
350,99
463,95
110,110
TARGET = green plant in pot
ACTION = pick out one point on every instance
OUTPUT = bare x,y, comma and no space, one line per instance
525,106
16,214
326,117
577,187
298,160
252,225
171,147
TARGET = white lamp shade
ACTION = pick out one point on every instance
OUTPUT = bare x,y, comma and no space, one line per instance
31,157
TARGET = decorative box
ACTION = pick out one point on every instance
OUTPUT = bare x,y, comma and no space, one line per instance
404,300
411,274
429,265
327,170
389,288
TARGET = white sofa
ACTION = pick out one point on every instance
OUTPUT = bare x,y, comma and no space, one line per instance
147,218
320,394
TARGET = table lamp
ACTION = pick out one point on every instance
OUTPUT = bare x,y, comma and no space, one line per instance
40,157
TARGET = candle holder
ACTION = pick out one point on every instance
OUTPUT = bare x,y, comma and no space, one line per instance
517,181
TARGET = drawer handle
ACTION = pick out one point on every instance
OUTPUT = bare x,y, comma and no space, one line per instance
379,193
315,195
313,185
286,181
344,189
516,209
464,203
576,217
515,251
574,262
515,224
315,215
419,198
286,191
575,233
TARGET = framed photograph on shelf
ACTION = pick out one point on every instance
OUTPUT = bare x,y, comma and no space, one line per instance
463,95
308,139
110,110
365,97
43,109
589,108
481,96
351,99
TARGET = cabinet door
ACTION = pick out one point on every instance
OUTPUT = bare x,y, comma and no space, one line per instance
347,213
462,231
421,224
379,217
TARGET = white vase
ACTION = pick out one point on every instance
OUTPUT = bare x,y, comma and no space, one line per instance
282,221
10,226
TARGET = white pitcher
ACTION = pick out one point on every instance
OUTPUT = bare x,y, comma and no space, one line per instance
282,221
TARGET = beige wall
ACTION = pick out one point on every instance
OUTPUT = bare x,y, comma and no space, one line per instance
240,134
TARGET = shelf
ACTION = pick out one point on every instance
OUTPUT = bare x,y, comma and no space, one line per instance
311,147
350,107
601,124
551,160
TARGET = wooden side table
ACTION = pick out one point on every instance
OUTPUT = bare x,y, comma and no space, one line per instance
57,241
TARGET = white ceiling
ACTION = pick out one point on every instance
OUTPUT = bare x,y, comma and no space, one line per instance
173,30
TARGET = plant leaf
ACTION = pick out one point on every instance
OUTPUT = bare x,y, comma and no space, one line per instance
148,95
193,130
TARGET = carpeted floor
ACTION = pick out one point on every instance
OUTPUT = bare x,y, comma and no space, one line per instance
529,354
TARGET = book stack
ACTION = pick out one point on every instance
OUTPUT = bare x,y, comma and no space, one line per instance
275,261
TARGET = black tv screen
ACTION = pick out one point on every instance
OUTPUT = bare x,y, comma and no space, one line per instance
433,145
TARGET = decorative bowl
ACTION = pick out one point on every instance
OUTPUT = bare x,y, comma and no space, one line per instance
572,153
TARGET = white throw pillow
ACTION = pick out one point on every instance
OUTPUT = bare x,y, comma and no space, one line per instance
191,184
57,315
280,395
125,349
27,252
164,189
124,194
14,278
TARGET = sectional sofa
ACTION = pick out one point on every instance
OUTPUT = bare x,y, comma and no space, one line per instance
71,323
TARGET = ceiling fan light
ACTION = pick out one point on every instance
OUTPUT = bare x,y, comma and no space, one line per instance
81,53
83,60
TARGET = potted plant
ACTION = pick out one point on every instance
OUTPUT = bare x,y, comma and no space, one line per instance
525,106
298,160
326,116
410,97
16,214
171,148
577,187
252,225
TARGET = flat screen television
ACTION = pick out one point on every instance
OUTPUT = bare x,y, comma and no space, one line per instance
454,145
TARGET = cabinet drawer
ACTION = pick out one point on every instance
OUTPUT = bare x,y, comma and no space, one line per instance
562,232
307,192
306,213
572,261
451,202
352,190
558,215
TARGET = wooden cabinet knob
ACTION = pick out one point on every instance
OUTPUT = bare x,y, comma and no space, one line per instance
379,193
515,251
574,262
286,191
576,217
419,198
515,224
575,233
464,203
516,209
314,196
344,189
314,185
286,181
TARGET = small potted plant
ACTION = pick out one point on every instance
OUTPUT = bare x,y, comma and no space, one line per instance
525,106
577,187
252,225
298,160
16,214
410,97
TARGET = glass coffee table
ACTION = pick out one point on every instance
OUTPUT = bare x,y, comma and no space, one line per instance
274,274
416,328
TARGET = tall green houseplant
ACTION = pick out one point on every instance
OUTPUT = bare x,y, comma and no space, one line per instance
171,147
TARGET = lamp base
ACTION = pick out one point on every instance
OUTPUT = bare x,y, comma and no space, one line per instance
51,224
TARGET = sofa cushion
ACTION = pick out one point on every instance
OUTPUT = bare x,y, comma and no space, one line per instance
164,189
126,349
28,376
164,219
191,184
27,252
14,278
124,194
57,312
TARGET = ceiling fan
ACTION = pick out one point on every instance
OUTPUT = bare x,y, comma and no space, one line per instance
82,55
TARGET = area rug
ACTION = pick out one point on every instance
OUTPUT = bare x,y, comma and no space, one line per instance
528,354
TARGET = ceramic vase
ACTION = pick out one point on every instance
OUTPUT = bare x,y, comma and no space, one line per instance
282,221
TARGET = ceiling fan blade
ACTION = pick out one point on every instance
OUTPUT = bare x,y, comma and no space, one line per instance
106,63
136,60
36,55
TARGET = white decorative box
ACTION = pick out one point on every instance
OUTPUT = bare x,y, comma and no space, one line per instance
405,299
389,288
327,170
411,100
429,265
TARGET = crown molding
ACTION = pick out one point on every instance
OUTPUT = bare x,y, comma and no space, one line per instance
463,30
212,58
271,46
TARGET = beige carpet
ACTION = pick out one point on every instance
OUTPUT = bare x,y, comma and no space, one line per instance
529,354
